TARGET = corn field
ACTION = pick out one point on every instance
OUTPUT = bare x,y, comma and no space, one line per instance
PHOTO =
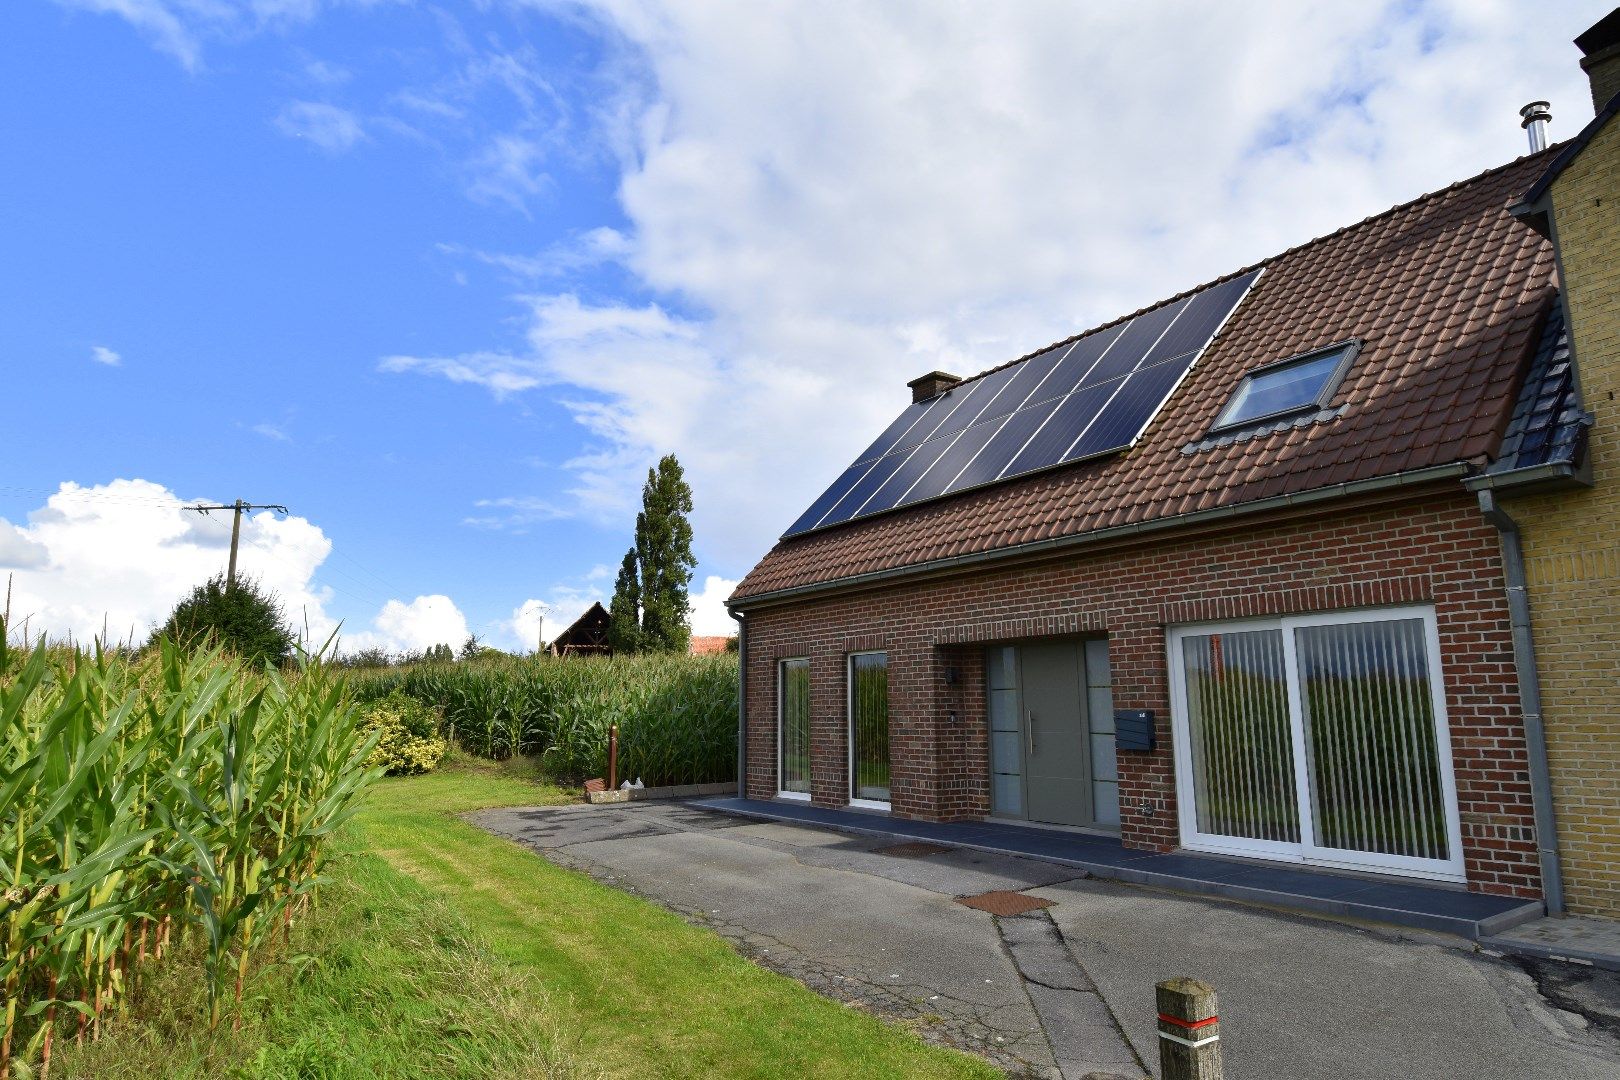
677,715
147,802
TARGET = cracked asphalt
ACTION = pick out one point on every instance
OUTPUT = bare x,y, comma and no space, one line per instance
1067,992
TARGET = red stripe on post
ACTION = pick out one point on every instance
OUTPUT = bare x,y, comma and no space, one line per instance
1190,1025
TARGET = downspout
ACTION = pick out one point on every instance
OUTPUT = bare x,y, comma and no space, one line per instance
742,703
1535,732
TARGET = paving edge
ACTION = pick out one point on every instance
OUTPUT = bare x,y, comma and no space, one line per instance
1470,929
1567,954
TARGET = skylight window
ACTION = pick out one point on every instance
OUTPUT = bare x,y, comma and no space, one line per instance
1288,387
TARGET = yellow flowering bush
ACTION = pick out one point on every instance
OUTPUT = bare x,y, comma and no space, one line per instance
410,741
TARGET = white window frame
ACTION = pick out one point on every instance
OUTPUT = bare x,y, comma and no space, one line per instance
781,716
1350,348
849,735
1306,851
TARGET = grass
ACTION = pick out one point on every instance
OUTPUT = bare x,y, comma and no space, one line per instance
443,951
645,993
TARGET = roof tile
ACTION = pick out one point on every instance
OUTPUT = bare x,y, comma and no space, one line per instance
1446,293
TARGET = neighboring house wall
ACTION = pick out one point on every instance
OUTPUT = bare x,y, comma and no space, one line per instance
1436,551
1572,546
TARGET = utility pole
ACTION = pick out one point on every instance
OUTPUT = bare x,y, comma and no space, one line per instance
540,630
236,528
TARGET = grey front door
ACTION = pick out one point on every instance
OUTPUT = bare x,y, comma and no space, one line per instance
1057,765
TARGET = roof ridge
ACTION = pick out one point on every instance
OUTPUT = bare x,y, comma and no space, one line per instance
1268,260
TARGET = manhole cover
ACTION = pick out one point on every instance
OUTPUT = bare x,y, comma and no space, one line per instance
1001,902
912,850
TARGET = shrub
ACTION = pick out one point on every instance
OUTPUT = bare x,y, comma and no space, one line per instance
245,618
408,735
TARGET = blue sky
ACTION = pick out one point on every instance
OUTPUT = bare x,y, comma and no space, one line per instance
446,279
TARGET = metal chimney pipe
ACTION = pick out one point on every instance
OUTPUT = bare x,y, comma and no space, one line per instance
1536,114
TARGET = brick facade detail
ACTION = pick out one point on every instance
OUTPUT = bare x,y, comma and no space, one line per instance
1572,546
1433,550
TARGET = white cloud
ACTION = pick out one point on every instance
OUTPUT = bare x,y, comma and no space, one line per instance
272,432
832,200
103,355
509,170
121,554
709,618
421,624
18,552
514,513
180,27
333,129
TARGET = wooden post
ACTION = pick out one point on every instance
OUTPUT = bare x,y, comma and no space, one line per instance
1189,1031
613,757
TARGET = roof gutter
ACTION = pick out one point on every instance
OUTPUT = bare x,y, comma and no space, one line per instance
1551,472
1451,471
1535,732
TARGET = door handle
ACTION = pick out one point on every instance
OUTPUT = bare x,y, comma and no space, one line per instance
1029,731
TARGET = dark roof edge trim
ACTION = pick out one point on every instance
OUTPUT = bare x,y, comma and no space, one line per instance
1529,202
1453,470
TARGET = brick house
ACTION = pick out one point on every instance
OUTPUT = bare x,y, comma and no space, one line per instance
1263,616
1558,482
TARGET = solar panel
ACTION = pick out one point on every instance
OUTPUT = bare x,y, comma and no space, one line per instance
1089,397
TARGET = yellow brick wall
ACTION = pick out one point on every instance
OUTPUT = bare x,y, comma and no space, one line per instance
1572,547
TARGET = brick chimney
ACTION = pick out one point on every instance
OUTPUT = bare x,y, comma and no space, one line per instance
1600,58
931,385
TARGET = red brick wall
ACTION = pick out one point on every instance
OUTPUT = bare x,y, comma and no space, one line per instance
1437,550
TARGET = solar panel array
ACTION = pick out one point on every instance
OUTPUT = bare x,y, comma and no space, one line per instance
1075,401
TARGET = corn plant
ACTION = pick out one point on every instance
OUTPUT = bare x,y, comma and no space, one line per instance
142,798
677,715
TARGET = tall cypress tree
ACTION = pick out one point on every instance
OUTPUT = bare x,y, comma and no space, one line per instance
664,557
624,613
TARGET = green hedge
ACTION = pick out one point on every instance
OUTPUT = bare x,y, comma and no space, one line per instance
677,714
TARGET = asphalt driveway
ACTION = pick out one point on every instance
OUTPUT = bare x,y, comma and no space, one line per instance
1067,991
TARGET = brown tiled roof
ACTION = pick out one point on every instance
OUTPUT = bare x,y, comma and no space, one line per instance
1447,294
707,646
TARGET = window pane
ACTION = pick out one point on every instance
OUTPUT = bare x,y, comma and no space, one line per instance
869,726
796,726
1001,667
1370,736
1006,794
1241,740
1280,389
1105,803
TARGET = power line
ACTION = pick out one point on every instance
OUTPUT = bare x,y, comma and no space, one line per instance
236,527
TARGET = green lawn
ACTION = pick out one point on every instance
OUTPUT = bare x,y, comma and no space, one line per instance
441,950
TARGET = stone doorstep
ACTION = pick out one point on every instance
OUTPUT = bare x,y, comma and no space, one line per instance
676,791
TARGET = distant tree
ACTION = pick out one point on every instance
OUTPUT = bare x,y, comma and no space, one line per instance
664,558
438,654
470,648
246,618
624,611
372,657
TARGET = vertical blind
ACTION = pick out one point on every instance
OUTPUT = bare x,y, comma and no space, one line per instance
1368,712
1356,698
869,726
1242,745
795,720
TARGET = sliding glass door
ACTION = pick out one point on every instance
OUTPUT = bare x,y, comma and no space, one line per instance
1318,738
869,728
793,728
